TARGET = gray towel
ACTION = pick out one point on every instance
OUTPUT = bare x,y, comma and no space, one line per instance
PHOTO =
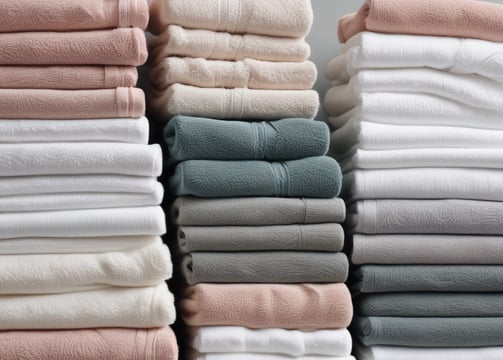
427,217
431,305
317,237
265,267
429,332
316,177
256,211
438,278
427,249
191,138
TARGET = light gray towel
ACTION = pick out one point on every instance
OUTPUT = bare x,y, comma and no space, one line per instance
426,217
317,237
427,249
259,211
429,332
436,278
265,267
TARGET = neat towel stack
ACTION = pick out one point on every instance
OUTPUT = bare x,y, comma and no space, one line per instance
81,257
419,134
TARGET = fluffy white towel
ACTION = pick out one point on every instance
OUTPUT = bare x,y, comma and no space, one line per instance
374,50
84,223
238,103
290,18
62,273
235,339
248,73
177,41
143,307
74,245
80,158
410,353
124,130
470,90
425,183
417,109
251,356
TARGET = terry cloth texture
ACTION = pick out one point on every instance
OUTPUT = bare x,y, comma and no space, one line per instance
415,353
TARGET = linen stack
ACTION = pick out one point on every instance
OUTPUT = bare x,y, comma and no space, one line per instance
82,264
417,109
259,238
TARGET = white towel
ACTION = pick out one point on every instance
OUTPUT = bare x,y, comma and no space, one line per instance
177,41
63,273
80,158
238,103
248,73
425,183
410,353
470,90
235,339
252,356
290,18
373,50
84,223
417,109
141,307
75,245
124,130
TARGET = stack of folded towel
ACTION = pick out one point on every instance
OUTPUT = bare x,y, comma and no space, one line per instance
81,258
420,137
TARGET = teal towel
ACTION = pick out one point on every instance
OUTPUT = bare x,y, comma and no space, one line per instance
316,177
191,138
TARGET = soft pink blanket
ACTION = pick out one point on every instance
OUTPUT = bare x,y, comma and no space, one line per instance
456,18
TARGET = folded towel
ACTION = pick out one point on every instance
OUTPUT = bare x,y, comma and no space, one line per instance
411,353
33,15
248,73
177,41
429,332
316,177
80,158
239,103
425,183
84,223
431,305
318,237
287,139
64,273
417,109
103,47
305,306
471,90
233,339
137,307
427,217
252,356
373,51
427,249
289,18
123,130
71,104
257,211
438,278
264,267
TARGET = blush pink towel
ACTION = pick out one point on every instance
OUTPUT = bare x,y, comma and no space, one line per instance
71,104
306,306
92,344
102,47
67,77
455,18
68,15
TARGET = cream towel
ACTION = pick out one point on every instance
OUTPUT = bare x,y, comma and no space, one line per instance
411,353
251,356
248,73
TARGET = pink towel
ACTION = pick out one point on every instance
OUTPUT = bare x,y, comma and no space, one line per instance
67,77
456,18
305,306
36,15
71,104
92,344
102,47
